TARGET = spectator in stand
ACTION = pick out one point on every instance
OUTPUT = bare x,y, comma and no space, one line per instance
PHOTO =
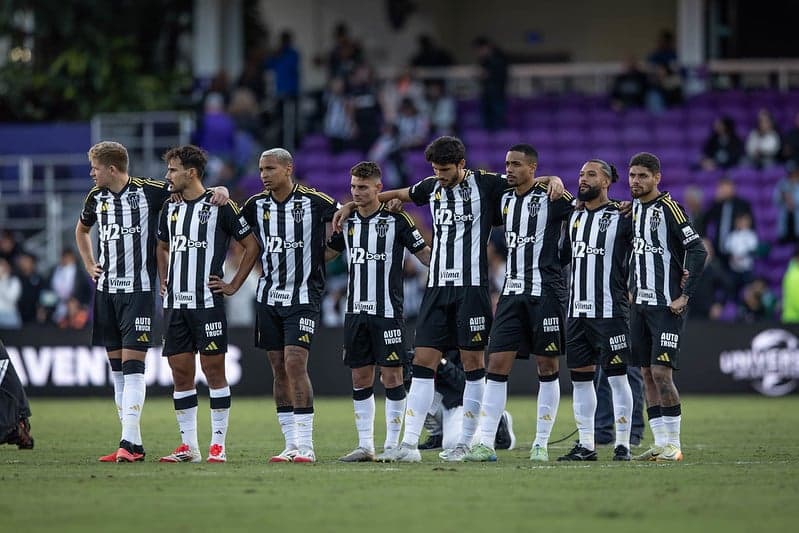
32,286
345,56
252,75
388,152
713,289
284,64
394,93
430,55
763,143
68,281
9,247
719,221
413,126
665,53
630,87
440,109
790,143
786,195
245,112
365,108
665,90
723,149
694,203
339,126
493,83
217,131
10,292
758,302
742,245
790,291
76,317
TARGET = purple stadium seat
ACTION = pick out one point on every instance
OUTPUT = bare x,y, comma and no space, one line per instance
669,134
744,175
571,137
636,135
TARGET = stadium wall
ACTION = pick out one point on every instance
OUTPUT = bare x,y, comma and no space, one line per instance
717,358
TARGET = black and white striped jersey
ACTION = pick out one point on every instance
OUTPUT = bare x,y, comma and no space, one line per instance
662,235
533,226
375,247
601,243
462,219
127,223
293,234
198,234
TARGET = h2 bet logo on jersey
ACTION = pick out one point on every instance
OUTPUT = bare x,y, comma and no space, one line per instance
361,255
112,232
447,217
277,245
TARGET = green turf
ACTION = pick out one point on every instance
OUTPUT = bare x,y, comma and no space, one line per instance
740,474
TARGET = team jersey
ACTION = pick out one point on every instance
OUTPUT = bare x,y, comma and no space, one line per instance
375,247
127,224
662,235
532,233
293,237
198,234
601,243
462,219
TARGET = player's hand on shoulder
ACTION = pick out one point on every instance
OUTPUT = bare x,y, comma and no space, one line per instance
176,198
221,195
344,212
394,206
626,208
555,187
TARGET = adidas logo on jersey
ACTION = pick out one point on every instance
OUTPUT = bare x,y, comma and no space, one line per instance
305,338
664,357
392,357
551,347
211,346
143,338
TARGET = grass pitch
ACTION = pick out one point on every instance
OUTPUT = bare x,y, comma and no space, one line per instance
740,474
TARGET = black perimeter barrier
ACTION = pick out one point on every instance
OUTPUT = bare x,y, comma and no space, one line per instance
716,358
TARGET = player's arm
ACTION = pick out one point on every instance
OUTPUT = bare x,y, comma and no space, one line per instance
162,257
423,255
681,230
86,251
554,184
335,245
251,252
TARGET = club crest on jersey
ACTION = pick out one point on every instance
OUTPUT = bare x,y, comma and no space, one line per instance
298,212
381,228
654,221
465,192
133,201
204,214
534,206
604,222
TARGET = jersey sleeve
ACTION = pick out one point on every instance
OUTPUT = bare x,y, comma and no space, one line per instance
410,237
163,223
336,241
420,192
248,211
327,205
681,230
156,191
88,215
233,221
563,207
497,185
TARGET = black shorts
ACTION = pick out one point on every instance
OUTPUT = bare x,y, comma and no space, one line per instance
195,330
528,324
454,316
123,320
277,327
602,341
655,336
373,340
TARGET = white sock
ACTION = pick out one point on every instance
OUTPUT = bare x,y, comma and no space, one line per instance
584,404
118,380
658,427
546,410
288,427
187,418
419,400
495,396
622,408
451,425
472,398
304,422
394,411
132,405
365,422
671,425
220,414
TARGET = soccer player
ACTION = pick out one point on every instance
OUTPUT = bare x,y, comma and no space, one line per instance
126,212
289,220
600,238
529,315
194,236
455,309
375,240
15,412
664,245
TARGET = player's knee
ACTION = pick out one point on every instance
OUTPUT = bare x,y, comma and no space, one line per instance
214,370
391,377
296,363
547,365
661,375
